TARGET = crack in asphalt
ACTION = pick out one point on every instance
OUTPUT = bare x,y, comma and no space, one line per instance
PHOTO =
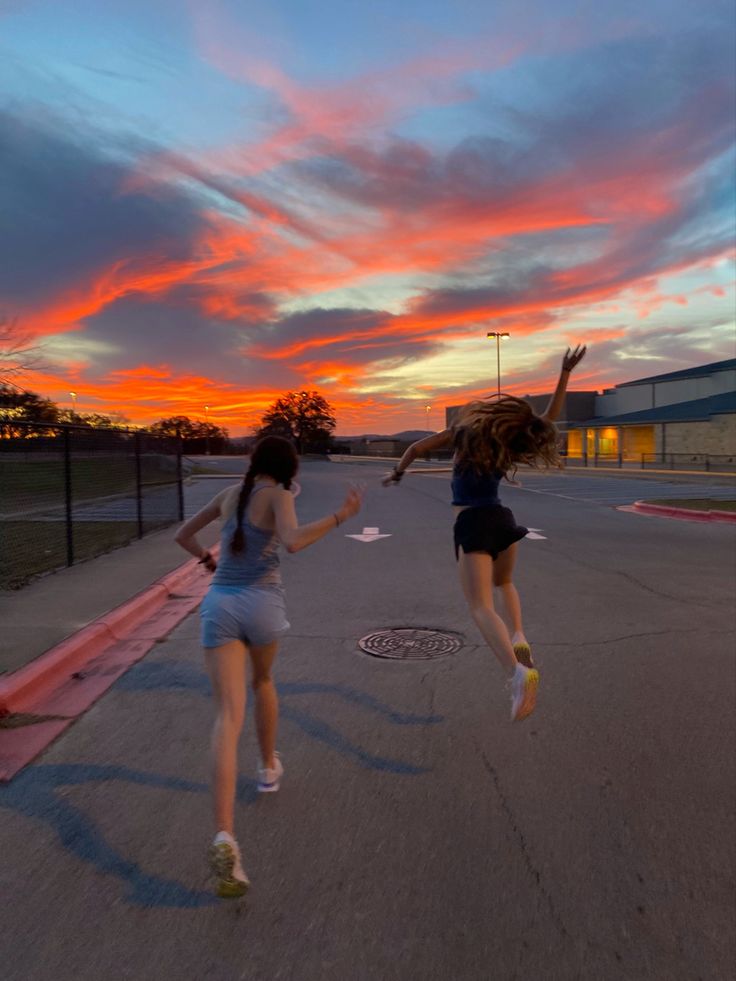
637,582
523,847
432,689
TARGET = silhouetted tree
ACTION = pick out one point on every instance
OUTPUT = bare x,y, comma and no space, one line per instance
19,406
197,437
306,418
92,420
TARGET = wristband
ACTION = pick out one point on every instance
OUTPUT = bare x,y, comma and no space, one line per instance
207,557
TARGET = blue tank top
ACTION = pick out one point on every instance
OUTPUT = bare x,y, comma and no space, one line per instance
473,489
257,565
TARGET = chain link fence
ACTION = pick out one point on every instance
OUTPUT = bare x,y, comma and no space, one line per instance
68,493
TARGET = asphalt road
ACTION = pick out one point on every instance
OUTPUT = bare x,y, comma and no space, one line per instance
418,834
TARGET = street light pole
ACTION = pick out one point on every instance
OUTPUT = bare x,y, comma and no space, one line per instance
427,409
498,335
74,403
207,430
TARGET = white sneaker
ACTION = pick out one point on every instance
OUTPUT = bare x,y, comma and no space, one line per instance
227,866
269,780
523,692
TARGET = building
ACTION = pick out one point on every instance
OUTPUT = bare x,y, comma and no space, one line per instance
682,417
681,414
577,407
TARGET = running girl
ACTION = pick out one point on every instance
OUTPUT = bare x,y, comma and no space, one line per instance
490,439
244,614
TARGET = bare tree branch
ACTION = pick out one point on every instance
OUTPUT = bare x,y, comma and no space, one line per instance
19,353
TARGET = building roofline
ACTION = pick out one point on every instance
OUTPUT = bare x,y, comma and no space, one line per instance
697,410
698,372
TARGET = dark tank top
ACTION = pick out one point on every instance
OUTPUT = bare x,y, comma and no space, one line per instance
473,489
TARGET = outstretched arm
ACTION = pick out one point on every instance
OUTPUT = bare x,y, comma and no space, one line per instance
294,536
439,441
570,359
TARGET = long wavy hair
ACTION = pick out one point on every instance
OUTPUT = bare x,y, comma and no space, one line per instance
272,456
499,435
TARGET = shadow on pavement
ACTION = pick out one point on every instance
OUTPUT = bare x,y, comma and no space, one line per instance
35,792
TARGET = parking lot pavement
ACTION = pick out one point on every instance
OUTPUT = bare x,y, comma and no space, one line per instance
612,489
624,490
418,834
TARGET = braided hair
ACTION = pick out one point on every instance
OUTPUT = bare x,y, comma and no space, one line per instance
499,435
273,456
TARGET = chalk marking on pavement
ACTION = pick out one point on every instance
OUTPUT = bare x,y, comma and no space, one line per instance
369,535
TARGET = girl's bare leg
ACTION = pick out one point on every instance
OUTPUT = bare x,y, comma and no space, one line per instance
476,576
503,570
226,667
266,700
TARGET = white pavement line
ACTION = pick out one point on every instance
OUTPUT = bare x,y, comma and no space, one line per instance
369,535
546,493
534,534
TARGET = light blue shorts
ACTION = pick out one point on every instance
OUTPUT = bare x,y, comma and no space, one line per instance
252,614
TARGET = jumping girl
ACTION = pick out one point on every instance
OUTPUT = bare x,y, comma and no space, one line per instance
243,614
490,439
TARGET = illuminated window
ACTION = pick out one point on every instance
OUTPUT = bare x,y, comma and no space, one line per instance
638,440
575,443
608,441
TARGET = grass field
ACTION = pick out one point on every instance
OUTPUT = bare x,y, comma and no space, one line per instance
698,504
33,483
34,547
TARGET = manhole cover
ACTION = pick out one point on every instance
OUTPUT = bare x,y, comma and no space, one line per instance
410,644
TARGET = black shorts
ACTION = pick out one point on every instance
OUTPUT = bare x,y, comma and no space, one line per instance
490,530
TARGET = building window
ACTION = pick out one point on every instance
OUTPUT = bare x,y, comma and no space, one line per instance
638,440
575,443
608,441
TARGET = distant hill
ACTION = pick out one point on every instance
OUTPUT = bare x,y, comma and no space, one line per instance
410,435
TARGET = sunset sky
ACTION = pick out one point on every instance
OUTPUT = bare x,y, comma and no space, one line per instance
215,203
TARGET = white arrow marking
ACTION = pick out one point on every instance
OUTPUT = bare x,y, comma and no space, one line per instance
369,535
534,533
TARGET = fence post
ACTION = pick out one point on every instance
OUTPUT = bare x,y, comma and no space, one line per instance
180,477
642,461
707,462
620,459
138,484
68,498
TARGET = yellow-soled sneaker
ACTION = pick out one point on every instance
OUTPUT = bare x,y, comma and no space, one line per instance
524,654
524,686
227,868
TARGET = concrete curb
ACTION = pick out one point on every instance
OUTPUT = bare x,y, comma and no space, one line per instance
667,511
50,669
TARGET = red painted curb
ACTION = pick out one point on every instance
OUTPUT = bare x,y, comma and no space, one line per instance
668,511
50,669
58,662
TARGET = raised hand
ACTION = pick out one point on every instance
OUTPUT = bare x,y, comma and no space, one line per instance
573,358
353,500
